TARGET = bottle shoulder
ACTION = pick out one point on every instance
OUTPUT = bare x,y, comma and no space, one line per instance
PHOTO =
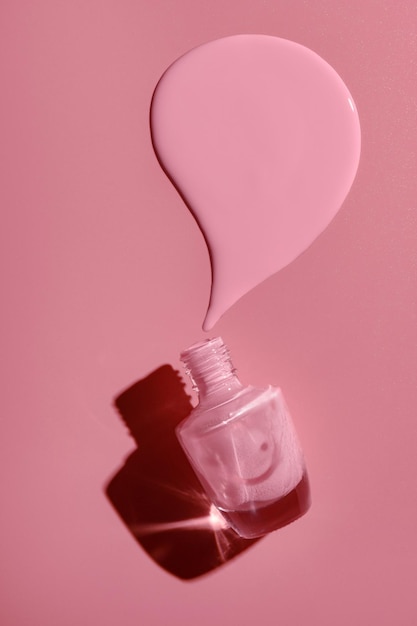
206,417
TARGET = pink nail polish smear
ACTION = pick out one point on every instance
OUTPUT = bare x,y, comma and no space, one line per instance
262,139
242,445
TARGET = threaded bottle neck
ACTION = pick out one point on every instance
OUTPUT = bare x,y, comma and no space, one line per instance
211,371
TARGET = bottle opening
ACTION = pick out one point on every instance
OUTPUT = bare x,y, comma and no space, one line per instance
208,365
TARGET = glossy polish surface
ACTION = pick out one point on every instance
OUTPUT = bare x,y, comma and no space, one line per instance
261,137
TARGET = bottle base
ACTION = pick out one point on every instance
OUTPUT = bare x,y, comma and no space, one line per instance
261,520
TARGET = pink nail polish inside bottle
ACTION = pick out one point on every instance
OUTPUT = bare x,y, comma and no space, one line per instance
242,445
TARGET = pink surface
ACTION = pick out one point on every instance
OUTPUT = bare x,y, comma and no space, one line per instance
262,138
106,277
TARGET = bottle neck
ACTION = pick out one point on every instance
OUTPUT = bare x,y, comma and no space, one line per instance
211,371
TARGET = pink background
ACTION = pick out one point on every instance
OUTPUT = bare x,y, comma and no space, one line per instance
106,277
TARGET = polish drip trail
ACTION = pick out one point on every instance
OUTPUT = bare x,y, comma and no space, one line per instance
262,139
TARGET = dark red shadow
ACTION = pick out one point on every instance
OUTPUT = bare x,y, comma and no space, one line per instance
157,494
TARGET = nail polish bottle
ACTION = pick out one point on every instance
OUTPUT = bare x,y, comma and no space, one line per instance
242,444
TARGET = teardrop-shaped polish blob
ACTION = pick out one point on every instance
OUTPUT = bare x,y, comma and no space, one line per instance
261,137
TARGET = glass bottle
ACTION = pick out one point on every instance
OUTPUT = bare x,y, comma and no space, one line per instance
242,445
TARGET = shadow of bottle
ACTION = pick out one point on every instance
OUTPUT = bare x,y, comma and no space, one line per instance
157,494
